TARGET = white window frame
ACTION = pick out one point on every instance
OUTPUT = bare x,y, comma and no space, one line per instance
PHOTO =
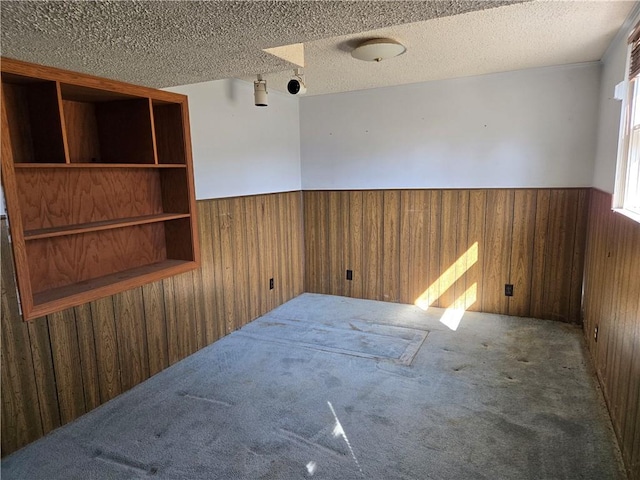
629,107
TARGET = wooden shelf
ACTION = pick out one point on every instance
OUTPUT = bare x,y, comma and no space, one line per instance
98,180
57,298
98,226
99,165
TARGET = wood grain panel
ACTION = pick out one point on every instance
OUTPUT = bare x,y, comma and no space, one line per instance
66,358
312,236
464,253
497,249
596,233
475,238
540,245
186,323
297,234
207,281
44,374
607,329
448,248
335,245
612,305
372,247
577,262
226,257
391,246
285,240
104,334
612,331
270,242
625,313
60,197
563,205
155,322
238,256
198,306
435,245
323,279
128,309
171,317
217,266
255,283
343,218
524,210
82,131
355,260
88,361
414,244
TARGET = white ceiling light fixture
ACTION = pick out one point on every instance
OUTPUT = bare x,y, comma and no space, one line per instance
260,92
378,49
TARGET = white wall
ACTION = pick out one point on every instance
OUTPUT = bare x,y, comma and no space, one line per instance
613,70
238,148
529,128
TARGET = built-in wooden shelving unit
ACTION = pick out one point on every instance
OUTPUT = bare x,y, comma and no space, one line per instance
98,181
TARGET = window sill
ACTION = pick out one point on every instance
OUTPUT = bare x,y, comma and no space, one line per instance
628,213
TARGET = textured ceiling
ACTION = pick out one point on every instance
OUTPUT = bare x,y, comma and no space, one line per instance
168,43
527,35
173,43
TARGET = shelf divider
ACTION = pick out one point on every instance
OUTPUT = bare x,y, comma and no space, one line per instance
98,226
99,165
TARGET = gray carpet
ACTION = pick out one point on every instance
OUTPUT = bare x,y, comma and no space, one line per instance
334,388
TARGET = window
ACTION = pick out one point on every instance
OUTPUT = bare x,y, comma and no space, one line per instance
627,189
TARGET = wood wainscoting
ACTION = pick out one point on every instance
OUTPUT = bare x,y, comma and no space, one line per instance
445,248
612,306
451,248
58,367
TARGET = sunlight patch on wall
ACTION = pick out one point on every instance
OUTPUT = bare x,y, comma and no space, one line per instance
448,278
453,315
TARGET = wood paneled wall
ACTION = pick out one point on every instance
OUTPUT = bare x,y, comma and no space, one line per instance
612,305
440,247
58,367
451,248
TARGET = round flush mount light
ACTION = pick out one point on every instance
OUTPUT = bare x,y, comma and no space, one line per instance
378,49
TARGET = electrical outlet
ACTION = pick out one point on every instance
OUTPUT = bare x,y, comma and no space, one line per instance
508,290
595,334
271,284
349,274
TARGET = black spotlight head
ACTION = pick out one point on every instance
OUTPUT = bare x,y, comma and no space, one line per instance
293,87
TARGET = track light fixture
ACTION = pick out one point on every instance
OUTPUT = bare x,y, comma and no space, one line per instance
296,85
260,92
